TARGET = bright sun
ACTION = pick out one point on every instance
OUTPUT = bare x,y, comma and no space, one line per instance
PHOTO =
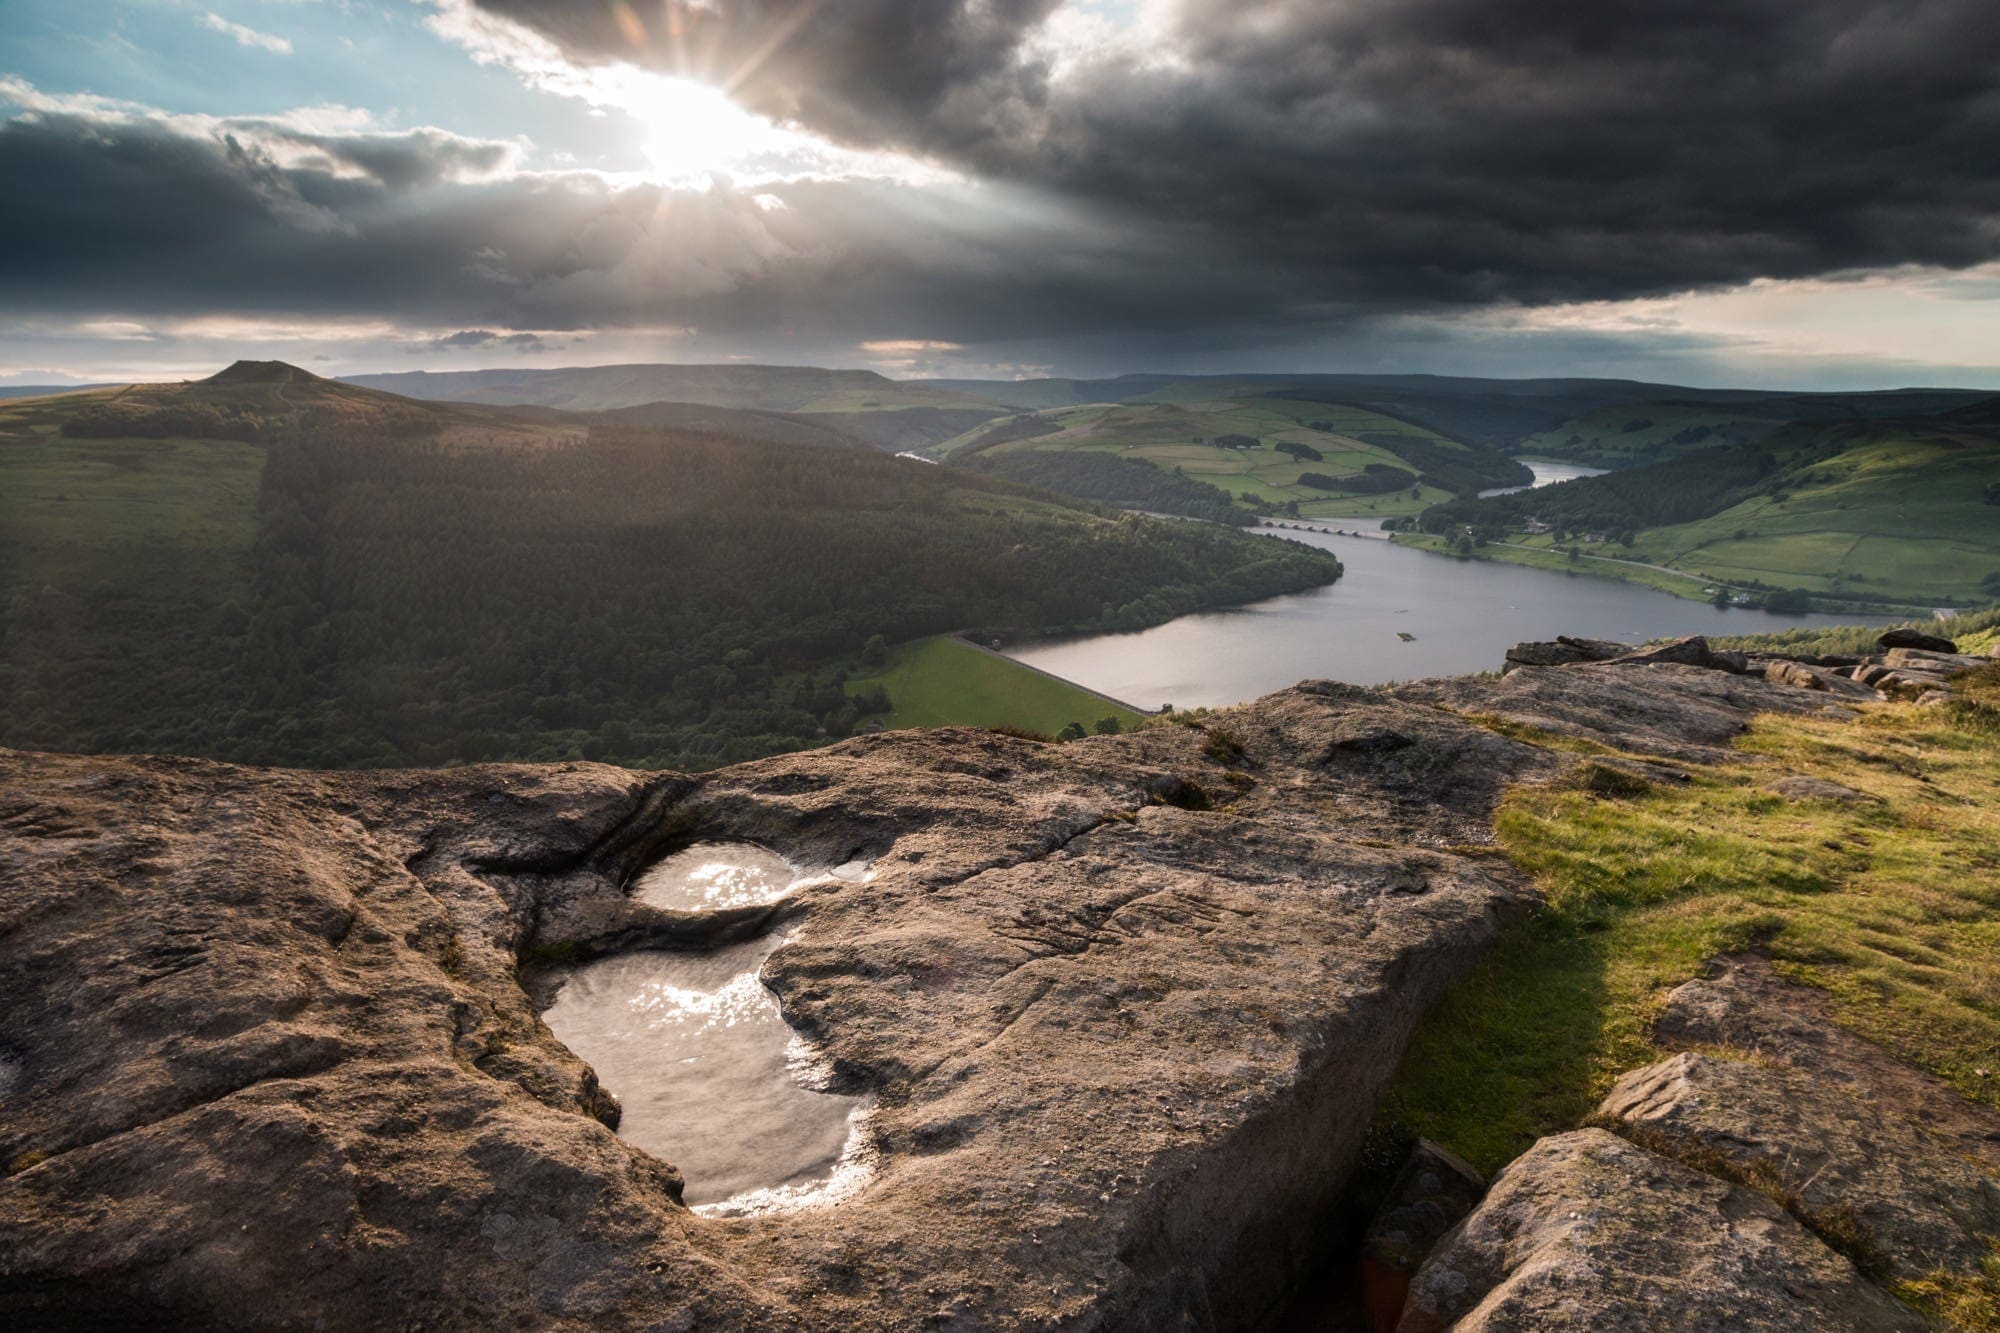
694,132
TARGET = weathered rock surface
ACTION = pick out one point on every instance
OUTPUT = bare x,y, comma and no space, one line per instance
1672,711
1587,1231
1804,677
1848,1165
1537,653
1800,788
1748,1007
1125,1007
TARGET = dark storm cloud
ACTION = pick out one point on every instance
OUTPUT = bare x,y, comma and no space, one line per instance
146,218
1278,173
417,157
860,70
469,338
1416,153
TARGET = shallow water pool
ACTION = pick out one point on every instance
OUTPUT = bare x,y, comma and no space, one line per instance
694,1045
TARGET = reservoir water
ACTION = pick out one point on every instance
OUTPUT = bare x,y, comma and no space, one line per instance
1460,615
1547,473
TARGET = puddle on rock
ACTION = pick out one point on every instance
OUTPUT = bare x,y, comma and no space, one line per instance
710,1075
710,876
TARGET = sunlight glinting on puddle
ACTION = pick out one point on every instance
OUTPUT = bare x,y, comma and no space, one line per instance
697,1050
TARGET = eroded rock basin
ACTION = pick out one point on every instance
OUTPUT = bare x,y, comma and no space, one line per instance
695,1047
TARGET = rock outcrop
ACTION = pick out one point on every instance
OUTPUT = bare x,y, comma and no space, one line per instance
1908,637
1781,1174
270,1052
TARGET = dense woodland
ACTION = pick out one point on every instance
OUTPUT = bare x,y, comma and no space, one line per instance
1112,480
1374,479
651,598
1461,471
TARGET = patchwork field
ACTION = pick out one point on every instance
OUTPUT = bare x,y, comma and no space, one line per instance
1902,514
1234,444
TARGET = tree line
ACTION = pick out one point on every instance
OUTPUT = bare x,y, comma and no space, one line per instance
1109,479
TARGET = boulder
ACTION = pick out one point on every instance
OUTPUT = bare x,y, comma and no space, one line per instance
1801,676
1907,636
1586,1231
1894,1192
1908,684
1918,659
1545,654
1597,650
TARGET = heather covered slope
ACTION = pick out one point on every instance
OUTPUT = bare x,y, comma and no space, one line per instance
597,388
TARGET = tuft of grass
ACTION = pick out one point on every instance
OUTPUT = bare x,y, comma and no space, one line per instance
553,953
1023,734
1892,906
1222,747
1957,1301
1608,780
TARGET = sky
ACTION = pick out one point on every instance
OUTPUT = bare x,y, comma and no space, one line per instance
1781,193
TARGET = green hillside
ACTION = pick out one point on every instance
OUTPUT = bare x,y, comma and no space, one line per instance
1632,433
945,681
1615,423
1902,513
274,568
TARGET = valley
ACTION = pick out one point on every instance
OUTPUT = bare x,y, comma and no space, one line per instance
999,666
251,548
272,567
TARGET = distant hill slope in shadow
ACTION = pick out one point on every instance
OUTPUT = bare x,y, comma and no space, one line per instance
601,388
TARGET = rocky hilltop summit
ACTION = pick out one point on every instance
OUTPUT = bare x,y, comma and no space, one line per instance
261,372
1120,1011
